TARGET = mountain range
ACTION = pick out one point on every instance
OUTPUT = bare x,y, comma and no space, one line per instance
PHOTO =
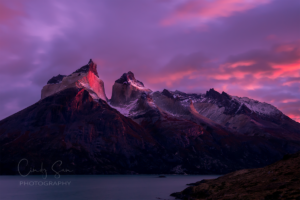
140,131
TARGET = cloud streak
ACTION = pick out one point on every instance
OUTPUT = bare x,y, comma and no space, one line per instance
195,12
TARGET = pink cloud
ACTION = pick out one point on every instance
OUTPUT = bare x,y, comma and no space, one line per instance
10,10
280,61
291,81
295,117
170,78
202,11
271,37
289,100
285,48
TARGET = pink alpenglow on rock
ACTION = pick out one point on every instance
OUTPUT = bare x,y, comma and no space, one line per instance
85,77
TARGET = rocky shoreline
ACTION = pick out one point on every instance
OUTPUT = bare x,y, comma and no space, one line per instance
280,180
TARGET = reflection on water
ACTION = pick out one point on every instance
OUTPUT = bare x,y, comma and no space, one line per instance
106,187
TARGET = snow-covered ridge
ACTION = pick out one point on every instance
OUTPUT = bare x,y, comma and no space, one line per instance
256,106
261,108
137,85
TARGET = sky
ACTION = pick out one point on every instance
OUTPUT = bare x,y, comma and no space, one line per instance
243,47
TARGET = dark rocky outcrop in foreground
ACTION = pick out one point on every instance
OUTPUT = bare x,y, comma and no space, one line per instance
280,180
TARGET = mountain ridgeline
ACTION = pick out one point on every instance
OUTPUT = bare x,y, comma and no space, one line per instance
142,131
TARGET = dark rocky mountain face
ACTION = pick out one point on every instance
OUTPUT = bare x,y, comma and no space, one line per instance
91,66
242,115
127,89
167,94
140,131
126,78
85,77
89,137
56,79
196,144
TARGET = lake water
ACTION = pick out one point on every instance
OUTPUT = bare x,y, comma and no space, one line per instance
97,187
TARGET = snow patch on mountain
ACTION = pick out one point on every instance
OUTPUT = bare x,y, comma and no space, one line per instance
136,84
261,108
256,106
125,109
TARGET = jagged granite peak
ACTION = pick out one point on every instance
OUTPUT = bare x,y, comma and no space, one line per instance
222,100
128,78
85,77
212,93
91,66
127,89
233,104
167,94
227,96
56,79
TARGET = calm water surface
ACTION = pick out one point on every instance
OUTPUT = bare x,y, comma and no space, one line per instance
102,187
